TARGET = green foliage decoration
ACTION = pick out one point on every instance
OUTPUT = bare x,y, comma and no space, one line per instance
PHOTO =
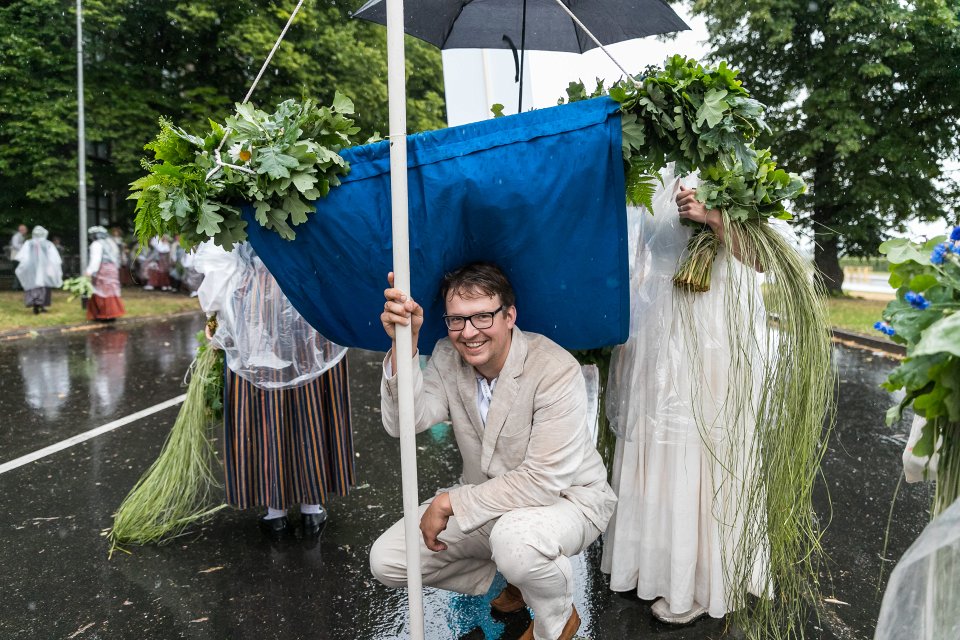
79,287
925,317
277,162
700,119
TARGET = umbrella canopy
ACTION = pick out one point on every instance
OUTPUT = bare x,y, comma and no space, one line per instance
482,24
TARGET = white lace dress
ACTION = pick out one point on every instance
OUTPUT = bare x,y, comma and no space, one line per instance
676,527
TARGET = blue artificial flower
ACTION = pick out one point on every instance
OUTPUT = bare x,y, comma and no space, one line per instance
939,252
916,300
955,234
884,327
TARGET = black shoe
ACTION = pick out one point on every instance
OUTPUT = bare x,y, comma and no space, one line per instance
313,524
275,528
36,310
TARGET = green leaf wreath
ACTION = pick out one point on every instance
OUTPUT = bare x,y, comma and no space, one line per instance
277,162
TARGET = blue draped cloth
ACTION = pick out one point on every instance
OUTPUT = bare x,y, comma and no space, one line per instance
539,193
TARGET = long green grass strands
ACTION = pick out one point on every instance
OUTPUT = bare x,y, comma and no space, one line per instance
180,488
765,420
696,269
948,467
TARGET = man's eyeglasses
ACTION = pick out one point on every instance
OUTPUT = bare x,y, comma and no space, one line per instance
482,320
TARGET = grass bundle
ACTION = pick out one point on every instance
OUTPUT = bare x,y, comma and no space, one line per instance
179,488
769,433
696,269
948,467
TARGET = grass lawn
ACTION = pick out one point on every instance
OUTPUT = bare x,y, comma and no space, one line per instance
139,304
856,314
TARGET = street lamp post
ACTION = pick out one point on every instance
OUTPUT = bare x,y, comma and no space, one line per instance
81,142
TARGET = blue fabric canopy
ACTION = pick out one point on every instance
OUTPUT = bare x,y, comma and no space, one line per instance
539,193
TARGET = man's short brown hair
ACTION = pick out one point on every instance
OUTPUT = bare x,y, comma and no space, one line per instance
485,278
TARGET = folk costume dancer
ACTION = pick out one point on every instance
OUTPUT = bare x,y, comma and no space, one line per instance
287,433
533,490
104,272
40,270
158,265
681,461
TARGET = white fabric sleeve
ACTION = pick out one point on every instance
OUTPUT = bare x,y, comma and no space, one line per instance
96,256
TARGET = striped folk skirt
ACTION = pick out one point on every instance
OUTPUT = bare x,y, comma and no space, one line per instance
287,446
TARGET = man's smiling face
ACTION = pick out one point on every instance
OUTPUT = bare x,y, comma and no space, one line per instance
484,349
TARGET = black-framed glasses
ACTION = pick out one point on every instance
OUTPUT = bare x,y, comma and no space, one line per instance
482,320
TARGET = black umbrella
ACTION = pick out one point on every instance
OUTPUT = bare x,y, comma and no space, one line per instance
541,25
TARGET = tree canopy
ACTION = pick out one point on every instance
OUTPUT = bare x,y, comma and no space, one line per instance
186,60
865,103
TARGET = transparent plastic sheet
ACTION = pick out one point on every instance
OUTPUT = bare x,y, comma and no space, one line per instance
922,599
40,263
917,468
657,360
591,377
265,340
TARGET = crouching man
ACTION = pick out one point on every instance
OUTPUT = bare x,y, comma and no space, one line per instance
533,490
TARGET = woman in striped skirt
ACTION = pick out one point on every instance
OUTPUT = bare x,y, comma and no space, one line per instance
287,436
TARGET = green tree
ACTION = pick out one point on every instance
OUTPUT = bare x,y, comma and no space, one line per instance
865,103
187,60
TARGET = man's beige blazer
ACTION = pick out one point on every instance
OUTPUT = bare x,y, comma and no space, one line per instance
535,448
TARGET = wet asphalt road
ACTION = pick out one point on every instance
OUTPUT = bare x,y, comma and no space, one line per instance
225,581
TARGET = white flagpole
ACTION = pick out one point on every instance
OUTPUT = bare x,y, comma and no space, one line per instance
397,100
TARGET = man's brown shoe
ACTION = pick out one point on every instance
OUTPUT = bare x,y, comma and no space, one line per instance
569,629
509,600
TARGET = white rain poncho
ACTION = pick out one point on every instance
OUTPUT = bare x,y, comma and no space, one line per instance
40,263
922,600
265,339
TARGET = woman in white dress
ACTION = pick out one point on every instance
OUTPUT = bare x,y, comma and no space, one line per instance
683,467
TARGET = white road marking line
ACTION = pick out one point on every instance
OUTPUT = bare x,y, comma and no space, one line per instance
87,435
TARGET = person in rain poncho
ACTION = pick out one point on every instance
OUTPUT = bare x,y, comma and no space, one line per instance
679,467
39,271
158,265
287,433
17,240
104,271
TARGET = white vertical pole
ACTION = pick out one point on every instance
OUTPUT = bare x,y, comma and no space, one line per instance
81,143
397,100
